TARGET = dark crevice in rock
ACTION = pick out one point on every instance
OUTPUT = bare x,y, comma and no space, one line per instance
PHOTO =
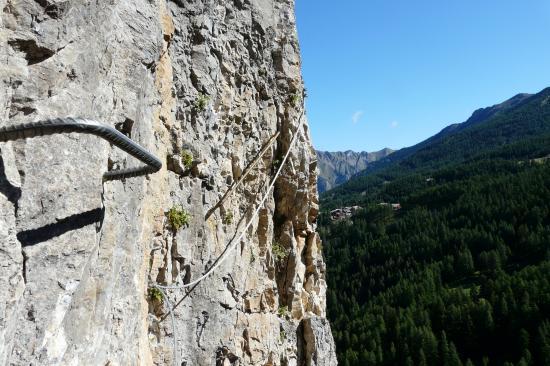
31,313
12,193
226,306
71,75
223,354
34,53
125,127
21,104
8,9
246,344
110,164
194,80
73,222
179,3
201,324
24,268
27,110
53,10
186,274
301,344
151,66
178,262
197,37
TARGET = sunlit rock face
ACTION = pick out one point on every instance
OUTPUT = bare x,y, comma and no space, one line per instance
213,80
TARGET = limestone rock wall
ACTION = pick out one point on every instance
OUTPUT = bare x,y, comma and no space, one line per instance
212,79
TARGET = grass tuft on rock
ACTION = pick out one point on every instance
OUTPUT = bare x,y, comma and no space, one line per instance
187,159
155,295
279,252
178,217
202,102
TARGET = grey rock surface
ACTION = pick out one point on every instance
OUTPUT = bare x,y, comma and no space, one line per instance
338,167
78,256
318,339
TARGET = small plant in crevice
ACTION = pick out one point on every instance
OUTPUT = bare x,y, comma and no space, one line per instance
155,295
202,102
276,164
295,99
279,252
178,217
186,159
282,336
282,311
252,257
228,218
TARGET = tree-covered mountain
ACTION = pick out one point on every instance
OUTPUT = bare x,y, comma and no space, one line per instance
460,274
338,167
479,116
507,129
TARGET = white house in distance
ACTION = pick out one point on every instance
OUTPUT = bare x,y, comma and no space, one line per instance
343,213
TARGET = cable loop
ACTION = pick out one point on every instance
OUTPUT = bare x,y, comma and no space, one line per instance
81,125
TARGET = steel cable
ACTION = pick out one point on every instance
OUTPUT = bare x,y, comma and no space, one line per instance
232,245
81,125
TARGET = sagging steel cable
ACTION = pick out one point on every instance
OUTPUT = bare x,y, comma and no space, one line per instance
233,245
245,173
174,331
82,125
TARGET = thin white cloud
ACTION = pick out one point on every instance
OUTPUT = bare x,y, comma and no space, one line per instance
394,124
356,117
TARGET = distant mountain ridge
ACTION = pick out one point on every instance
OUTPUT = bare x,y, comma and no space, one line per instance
518,127
483,114
338,167
479,116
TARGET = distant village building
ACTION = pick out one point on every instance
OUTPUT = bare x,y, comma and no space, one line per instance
394,206
343,213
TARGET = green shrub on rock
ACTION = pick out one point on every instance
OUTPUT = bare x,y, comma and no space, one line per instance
178,217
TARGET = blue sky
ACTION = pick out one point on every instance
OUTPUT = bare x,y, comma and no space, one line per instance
390,73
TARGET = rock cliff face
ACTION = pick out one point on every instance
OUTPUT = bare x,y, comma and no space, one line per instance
338,167
207,81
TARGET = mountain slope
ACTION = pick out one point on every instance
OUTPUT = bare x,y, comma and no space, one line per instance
458,275
515,123
336,168
478,117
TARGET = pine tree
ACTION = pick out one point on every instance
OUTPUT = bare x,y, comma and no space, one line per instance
422,359
465,262
444,349
454,359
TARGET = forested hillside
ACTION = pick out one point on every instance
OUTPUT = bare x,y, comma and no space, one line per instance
478,117
507,134
460,275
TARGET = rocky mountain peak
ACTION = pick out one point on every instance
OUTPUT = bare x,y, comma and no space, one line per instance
336,168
